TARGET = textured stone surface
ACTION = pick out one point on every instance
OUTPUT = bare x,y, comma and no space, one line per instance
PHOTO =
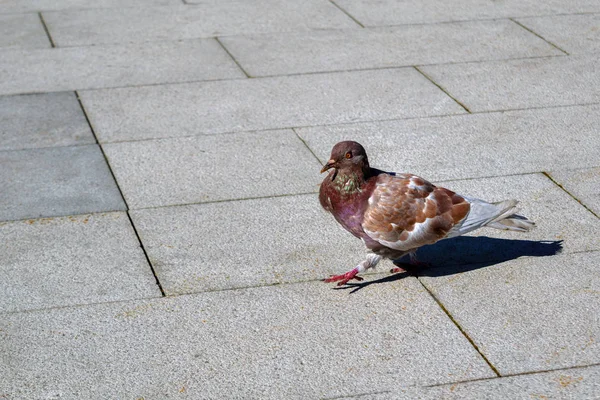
63,261
299,52
392,12
211,18
531,314
245,314
574,33
584,184
470,146
209,168
263,103
114,65
14,6
42,120
572,383
22,31
56,181
245,243
542,82
290,341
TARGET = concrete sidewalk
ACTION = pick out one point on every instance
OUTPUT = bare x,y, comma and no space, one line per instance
160,231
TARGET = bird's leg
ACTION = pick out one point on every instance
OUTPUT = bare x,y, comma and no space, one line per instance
370,262
410,267
415,262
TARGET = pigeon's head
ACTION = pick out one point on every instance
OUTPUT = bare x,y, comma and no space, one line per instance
347,156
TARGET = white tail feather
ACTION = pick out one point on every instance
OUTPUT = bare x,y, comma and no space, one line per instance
501,215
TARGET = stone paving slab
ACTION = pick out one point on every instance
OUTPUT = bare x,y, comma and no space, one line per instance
572,383
541,201
300,52
532,314
472,146
584,184
211,18
22,31
114,65
245,243
56,181
42,120
289,341
263,103
392,12
22,6
576,34
55,262
542,82
212,168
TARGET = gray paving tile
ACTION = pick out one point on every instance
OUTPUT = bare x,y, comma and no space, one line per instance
584,184
536,314
298,52
42,120
210,168
64,261
541,82
269,342
22,6
114,65
576,34
470,146
22,31
572,383
56,181
392,12
263,103
211,18
245,243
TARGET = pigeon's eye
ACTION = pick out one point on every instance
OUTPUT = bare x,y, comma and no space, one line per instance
348,155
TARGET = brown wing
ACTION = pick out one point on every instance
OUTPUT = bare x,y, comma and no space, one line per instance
406,212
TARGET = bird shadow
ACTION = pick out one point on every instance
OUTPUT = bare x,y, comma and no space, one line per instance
462,254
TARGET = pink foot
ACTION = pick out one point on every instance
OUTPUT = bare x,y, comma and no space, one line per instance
344,278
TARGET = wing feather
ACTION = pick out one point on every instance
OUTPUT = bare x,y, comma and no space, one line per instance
405,212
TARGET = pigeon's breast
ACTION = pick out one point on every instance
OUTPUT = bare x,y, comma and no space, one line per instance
350,216
348,208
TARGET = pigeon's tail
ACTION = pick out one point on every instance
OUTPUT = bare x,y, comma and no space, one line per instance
501,215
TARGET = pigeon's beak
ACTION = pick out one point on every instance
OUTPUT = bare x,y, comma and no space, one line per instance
330,164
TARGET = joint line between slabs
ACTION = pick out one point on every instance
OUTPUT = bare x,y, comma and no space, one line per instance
347,13
538,35
514,375
162,291
101,149
442,89
307,146
122,196
233,58
547,175
439,303
46,30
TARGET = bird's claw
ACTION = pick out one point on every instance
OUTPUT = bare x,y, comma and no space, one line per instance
344,278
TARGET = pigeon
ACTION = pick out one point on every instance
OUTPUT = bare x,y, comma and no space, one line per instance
394,214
